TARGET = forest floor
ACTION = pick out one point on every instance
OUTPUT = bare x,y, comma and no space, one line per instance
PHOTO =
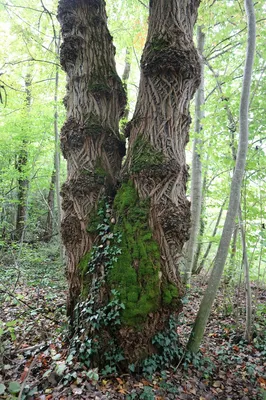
33,350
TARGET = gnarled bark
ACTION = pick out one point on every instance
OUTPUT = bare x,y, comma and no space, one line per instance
89,138
158,134
170,75
150,214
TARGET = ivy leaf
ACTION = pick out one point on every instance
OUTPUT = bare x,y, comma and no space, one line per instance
13,387
2,388
60,368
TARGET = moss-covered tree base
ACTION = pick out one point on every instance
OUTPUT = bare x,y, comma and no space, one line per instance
124,271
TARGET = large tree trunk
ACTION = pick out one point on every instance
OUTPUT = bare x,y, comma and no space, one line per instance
89,138
156,169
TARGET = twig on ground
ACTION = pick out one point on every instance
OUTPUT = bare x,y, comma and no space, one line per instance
26,377
31,348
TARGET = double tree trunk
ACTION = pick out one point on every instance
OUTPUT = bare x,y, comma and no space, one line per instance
149,212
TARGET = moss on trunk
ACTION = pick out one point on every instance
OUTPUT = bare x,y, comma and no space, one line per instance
136,274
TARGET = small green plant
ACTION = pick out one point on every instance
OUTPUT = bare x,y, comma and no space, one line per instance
11,391
170,351
203,364
147,393
8,328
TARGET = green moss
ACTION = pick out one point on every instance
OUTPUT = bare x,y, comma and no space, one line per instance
99,87
93,125
83,268
158,44
99,171
145,156
170,294
96,218
136,273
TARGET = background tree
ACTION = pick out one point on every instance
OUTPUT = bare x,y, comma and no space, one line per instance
216,274
196,175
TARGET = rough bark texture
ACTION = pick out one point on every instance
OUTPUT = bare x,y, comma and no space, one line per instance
158,134
89,138
134,278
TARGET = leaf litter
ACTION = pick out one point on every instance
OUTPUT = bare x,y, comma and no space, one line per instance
34,353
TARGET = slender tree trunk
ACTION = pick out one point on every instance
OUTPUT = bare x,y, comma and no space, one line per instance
248,328
54,190
216,274
48,232
127,68
21,166
196,178
125,78
57,148
207,251
232,260
202,224
90,139
23,185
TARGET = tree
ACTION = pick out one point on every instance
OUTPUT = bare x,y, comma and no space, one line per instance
124,245
196,176
90,138
21,166
215,277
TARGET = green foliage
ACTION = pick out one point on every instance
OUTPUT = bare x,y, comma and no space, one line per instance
86,346
135,274
201,363
8,329
169,350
